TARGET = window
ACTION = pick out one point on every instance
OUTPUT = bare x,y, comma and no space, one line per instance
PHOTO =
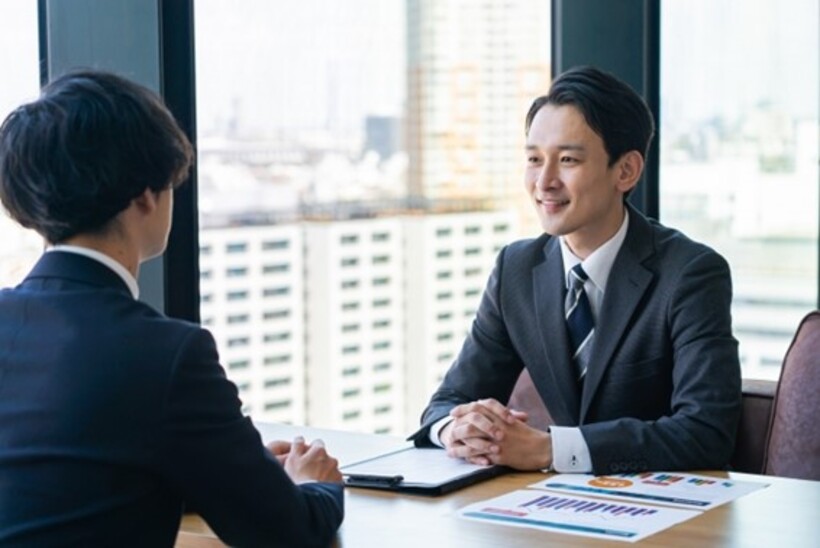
236,295
274,360
275,268
343,189
238,318
276,337
275,291
282,381
236,247
239,364
236,272
271,245
739,156
276,314
19,248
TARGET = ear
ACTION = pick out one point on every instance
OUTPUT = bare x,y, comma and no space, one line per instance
146,202
628,170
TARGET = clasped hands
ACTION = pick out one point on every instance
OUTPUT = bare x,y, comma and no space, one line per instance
305,462
487,432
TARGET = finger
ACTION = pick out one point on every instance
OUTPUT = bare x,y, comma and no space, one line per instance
279,447
486,422
298,446
317,443
522,416
473,427
475,448
481,460
497,408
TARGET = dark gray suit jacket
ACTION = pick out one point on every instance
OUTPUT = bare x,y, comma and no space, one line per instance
113,416
662,390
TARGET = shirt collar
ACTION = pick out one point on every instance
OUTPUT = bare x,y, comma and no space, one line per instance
599,263
120,270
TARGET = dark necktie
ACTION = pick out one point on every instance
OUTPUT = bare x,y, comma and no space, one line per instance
580,324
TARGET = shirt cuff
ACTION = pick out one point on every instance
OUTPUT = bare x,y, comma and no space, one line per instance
436,428
570,452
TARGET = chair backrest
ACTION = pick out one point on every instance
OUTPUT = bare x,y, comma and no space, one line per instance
793,448
526,398
753,430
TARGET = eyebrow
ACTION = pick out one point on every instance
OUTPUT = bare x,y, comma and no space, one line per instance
579,148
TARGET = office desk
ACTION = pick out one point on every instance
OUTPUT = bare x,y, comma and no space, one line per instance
786,514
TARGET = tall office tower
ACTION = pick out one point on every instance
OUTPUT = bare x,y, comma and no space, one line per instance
354,276
252,298
449,258
473,70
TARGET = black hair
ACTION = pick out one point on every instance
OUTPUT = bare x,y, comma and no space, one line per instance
77,156
610,107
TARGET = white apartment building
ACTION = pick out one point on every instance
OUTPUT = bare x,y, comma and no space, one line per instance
449,258
354,276
346,324
252,288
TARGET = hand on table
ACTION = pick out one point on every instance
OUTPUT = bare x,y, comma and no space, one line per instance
487,432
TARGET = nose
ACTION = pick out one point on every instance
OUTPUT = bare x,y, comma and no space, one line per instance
547,176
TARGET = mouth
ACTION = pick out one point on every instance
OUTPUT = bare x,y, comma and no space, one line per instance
551,204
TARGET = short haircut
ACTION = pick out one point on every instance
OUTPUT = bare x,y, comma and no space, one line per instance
77,156
610,107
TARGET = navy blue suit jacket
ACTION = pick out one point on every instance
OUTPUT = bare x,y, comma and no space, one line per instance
662,389
112,416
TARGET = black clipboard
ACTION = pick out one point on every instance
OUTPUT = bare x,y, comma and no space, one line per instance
421,471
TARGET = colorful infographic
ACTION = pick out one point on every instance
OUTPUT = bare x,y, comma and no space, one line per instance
673,489
576,515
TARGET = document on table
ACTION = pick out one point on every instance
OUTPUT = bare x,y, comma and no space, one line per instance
667,488
425,471
626,507
576,515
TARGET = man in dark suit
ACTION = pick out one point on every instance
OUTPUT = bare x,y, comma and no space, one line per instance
113,416
622,324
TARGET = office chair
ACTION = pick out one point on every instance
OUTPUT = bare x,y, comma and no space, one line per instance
793,447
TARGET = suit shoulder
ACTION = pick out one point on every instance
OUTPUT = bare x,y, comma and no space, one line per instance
674,245
526,250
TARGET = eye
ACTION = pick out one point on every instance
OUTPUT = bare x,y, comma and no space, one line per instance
533,159
568,160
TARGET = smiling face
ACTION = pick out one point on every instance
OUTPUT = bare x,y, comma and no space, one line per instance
574,191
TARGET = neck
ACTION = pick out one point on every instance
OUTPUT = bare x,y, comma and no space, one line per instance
115,248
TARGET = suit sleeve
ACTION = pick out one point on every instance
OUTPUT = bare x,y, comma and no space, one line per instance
487,365
699,431
216,460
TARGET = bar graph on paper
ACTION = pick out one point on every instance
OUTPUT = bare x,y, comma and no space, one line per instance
576,515
672,489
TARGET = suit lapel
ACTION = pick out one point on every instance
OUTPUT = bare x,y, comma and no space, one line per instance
626,286
556,382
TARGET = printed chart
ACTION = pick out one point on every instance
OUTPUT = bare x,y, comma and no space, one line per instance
672,489
577,515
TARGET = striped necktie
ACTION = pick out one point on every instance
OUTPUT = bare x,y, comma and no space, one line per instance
580,324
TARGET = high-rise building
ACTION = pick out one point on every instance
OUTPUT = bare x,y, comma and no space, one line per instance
346,323
354,281
473,70
449,258
251,288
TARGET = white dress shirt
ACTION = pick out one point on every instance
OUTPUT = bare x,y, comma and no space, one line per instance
120,270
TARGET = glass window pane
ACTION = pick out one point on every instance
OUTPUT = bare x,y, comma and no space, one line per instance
739,155
361,147
19,58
